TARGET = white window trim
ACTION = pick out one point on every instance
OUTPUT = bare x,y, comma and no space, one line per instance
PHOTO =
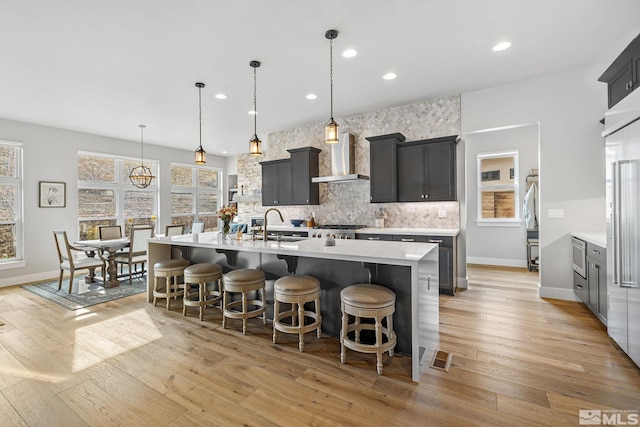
18,261
498,222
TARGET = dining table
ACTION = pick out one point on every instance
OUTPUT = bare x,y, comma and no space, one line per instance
107,249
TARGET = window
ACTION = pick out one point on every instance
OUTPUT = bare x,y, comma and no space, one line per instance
11,249
107,197
195,192
498,197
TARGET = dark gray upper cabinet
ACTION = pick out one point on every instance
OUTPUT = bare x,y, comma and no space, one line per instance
623,75
276,182
383,167
427,170
288,181
304,166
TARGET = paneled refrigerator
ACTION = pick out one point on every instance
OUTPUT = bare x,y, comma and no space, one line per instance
622,132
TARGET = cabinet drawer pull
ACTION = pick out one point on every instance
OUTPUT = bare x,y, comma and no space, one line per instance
426,196
296,235
407,240
435,240
595,252
579,286
374,238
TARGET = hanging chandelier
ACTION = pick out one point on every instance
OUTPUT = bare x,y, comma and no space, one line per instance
141,176
201,155
331,128
255,148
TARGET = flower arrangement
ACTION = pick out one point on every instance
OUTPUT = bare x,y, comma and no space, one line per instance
380,213
226,214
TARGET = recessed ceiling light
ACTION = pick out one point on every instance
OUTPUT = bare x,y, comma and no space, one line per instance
349,53
389,76
221,96
252,112
311,96
501,46
224,151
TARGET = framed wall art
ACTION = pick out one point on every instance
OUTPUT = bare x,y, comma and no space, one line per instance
52,194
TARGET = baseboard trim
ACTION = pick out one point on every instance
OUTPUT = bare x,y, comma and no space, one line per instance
29,278
463,282
503,262
557,293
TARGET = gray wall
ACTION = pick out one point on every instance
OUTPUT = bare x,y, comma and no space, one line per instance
481,240
572,175
50,154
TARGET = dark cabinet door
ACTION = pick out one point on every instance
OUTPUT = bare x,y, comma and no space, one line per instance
383,167
427,170
440,171
410,175
621,84
580,287
304,166
276,182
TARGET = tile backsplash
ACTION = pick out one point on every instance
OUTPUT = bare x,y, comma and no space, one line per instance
348,202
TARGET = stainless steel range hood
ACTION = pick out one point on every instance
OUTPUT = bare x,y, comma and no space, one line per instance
342,161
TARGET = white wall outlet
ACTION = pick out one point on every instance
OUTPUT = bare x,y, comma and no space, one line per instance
556,213
442,213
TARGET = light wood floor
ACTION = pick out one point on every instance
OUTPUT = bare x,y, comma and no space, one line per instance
518,360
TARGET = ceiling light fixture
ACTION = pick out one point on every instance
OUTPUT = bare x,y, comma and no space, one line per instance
311,96
389,76
201,155
331,128
220,96
141,176
501,46
254,142
349,53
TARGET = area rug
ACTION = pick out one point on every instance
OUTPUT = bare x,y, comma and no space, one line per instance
85,294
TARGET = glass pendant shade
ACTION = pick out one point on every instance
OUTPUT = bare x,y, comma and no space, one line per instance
331,132
141,176
255,148
201,156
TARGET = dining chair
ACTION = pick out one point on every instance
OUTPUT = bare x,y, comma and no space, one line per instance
137,253
67,254
174,230
197,227
109,232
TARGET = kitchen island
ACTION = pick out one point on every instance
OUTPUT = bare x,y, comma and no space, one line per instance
409,269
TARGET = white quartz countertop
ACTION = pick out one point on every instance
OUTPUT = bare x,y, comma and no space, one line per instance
398,253
593,237
371,230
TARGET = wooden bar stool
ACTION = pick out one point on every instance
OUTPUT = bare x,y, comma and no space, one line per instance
200,275
170,269
373,302
296,290
243,281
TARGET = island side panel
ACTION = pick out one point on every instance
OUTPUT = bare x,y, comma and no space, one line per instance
426,316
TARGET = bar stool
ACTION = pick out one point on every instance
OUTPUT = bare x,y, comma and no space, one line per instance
296,290
170,269
200,275
243,281
373,302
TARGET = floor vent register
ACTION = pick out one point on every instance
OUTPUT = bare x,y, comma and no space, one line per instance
441,360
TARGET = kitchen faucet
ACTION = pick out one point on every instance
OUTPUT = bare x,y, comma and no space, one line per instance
264,222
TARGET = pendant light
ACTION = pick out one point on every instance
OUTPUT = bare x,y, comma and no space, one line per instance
141,176
254,142
331,128
201,155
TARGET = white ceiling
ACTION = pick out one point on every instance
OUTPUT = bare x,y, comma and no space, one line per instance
103,67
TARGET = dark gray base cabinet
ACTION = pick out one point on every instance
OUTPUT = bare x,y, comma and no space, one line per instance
447,270
592,290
